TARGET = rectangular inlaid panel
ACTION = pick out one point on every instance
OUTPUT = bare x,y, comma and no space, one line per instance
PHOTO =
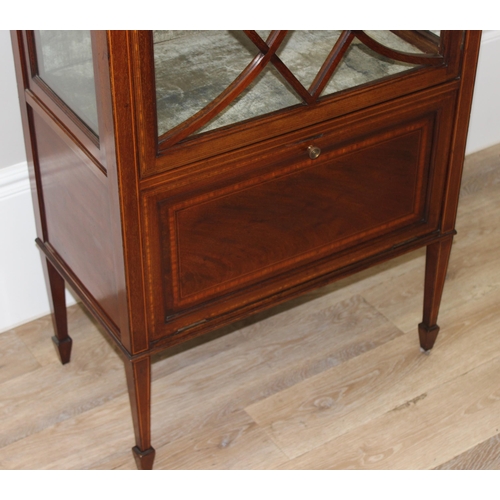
261,227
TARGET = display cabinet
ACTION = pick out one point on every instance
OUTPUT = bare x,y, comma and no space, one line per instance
183,180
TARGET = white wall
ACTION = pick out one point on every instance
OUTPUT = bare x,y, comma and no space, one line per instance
484,129
11,145
22,289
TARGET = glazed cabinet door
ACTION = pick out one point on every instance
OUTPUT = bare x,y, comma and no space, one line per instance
202,93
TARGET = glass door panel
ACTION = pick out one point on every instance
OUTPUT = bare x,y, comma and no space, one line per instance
209,79
194,67
305,51
410,41
361,65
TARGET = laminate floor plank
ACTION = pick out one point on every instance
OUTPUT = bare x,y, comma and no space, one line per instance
481,171
484,456
116,461
233,442
40,398
37,334
15,357
421,434
74,443
273,359
342,398
198,396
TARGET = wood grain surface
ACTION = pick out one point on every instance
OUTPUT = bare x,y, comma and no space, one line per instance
333,380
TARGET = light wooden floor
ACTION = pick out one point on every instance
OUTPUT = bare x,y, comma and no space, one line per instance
333,380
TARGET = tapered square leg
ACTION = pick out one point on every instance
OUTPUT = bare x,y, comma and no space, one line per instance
438,256
139,389
144,459
57,300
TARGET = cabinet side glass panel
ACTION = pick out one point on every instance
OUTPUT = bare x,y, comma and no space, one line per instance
64,61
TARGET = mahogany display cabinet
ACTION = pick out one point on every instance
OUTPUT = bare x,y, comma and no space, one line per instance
183,180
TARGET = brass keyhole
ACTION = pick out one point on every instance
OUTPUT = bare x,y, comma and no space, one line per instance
314,152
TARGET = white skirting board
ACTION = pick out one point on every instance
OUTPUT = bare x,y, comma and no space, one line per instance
23,295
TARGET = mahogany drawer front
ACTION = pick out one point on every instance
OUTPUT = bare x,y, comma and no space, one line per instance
222,245
239,234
